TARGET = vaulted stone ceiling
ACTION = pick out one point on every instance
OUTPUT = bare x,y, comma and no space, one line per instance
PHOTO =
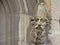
17,6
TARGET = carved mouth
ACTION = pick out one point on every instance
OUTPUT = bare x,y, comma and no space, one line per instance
39,28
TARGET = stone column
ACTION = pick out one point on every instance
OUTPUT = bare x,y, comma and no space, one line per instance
2,25
55,31
23,26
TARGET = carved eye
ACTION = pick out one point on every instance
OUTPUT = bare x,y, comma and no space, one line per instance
32,19
36,19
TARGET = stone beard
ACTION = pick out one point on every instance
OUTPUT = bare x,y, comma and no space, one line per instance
38,24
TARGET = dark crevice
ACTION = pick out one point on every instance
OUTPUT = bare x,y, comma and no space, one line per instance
2,3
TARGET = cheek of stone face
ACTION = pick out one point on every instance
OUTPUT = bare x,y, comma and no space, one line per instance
44,22
43,25
32,22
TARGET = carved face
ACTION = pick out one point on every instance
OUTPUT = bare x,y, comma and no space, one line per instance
38,28
39,23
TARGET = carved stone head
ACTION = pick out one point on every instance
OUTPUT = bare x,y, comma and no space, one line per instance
39,23
38,28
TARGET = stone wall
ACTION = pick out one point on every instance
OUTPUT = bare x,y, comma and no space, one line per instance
14,21
55,28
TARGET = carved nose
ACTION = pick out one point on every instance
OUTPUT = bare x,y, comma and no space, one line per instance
38,27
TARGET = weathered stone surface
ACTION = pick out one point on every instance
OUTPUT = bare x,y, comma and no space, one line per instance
55,28
10,23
